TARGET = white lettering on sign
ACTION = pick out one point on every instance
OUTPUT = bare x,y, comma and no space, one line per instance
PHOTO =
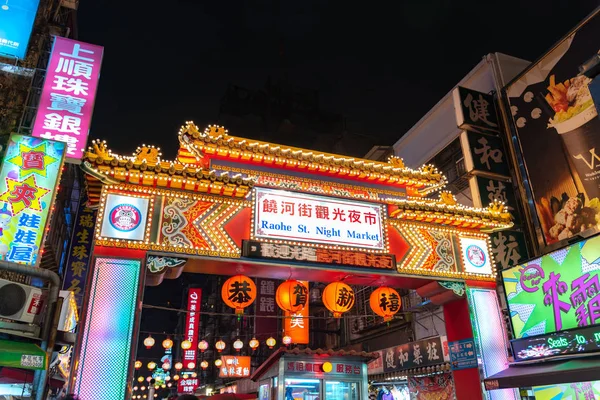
316,219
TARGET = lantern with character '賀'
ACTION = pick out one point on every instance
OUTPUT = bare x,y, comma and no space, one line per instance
291,296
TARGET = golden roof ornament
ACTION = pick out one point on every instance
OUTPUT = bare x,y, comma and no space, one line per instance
498,208
99,149
396,162
149,154
447,198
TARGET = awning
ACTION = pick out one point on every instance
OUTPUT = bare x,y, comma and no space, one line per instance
13,376
547,373
21,355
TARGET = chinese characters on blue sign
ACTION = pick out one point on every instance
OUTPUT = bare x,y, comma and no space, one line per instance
462,354
79,256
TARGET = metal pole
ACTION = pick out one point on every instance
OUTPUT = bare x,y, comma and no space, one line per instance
48,335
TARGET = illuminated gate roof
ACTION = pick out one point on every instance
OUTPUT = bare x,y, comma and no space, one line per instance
217,172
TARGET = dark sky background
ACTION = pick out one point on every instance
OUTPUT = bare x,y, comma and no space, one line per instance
382,67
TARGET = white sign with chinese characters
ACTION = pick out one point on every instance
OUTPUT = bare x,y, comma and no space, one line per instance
475,255
297,217
124,217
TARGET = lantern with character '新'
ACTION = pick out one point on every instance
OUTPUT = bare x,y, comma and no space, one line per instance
238,292
291,296
385,302
338,298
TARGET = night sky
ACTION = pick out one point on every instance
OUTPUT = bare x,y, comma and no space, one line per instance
383,68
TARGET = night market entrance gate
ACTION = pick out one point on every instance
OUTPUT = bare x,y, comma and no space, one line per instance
231,206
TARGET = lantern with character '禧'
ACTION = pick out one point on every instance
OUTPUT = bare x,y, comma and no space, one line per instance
238,292
338,298
385,302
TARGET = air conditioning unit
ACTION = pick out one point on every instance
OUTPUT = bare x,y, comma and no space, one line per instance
20,302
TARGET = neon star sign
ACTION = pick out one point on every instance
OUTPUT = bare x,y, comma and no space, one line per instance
33,159
28,180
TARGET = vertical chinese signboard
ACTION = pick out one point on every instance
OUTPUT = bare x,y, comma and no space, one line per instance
192,321
28,180
79,257
296,325
67,101
265,307
486,163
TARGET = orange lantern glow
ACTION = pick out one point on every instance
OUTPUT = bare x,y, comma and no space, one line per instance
191,365
218,362
149,342
254,344
220,346
385,302
151,365
286,340
175,377
204,364
138,364
178,366
167,343
238,292
271,342
140,379
238,345
203,346
338,298
186,344
291,296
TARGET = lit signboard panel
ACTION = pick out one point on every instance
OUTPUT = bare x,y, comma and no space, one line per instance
124,217
296,217
475,255
28,180
556,292
16,23
67,101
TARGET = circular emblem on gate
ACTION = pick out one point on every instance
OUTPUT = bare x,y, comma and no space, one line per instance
475,256
125,217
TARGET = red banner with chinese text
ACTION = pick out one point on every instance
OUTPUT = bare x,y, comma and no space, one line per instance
265,307
192,321
297,326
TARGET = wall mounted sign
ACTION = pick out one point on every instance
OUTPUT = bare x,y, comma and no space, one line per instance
192,322
346,258
556,292
67,101
29,176
296,217
577,341
235,367
265,307
475,110
484,154
475,255
17,23
80,255
421,353
124,217
462,354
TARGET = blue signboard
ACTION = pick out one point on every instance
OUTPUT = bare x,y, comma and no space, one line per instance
462,354
16,23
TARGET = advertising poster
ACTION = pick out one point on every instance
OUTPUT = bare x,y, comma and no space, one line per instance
558,130
16,23
577,390
30,172
556,292
436,387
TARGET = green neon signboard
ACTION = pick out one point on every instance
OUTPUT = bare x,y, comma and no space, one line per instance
556,292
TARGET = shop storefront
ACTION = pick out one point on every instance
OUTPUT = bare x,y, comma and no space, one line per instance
229,205
314,375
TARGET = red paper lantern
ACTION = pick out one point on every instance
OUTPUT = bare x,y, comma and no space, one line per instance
238,292
385,302
338,298
291,296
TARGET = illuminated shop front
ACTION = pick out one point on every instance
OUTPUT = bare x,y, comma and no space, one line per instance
313,375
254,211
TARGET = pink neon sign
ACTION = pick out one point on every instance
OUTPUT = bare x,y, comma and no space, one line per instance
67,102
